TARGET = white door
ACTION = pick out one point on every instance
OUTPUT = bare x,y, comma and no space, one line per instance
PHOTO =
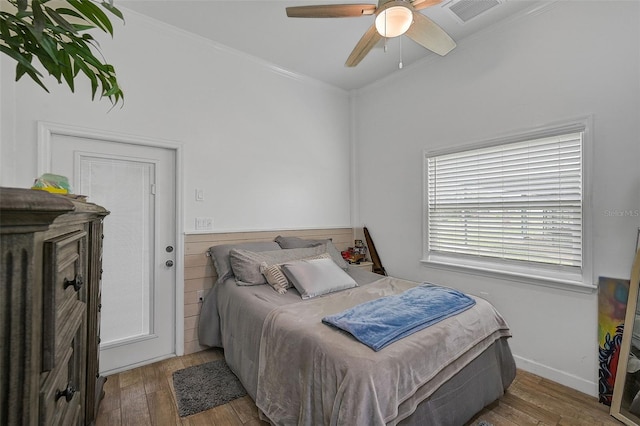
136,184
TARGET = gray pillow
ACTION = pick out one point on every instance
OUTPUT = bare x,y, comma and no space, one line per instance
316,277
220,255
246,264
296,242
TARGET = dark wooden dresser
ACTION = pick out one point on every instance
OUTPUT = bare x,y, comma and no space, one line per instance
50,271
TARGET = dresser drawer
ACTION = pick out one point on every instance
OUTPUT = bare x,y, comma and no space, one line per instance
70,329
64,293
60,395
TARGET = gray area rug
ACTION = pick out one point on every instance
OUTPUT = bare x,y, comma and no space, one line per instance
205,386
483,423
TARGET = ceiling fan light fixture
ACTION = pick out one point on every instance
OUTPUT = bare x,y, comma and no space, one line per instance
394,20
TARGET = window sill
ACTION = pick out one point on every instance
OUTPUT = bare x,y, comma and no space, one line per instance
570,282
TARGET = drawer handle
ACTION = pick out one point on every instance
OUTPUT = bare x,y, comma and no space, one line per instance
67,393
76,283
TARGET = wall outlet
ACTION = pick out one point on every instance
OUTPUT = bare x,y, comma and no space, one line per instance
200,294
204,223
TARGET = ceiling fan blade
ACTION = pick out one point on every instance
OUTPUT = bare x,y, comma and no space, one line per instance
366,43
423,4
428,34
331,11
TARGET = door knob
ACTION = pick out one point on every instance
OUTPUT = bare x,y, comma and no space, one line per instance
169,263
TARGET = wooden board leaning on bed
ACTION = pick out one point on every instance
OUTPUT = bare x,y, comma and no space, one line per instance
199,273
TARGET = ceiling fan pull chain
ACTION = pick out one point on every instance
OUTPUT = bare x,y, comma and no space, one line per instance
385,33
400,63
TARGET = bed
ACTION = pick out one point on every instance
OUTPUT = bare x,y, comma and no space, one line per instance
301,371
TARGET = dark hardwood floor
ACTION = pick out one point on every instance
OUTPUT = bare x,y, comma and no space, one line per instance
145,396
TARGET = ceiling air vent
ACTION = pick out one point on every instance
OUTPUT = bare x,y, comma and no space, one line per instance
466,10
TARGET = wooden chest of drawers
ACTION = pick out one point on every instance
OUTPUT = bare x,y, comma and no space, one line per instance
50,270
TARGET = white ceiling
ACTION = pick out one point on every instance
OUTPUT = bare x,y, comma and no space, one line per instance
312,47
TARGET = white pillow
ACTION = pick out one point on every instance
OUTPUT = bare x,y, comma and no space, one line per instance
275,277
317,277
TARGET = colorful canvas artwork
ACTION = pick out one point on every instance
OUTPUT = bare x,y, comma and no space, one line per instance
612,306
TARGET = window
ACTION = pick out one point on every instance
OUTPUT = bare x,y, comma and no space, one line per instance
513,206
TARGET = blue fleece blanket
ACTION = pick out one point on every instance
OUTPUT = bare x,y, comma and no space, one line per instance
382,321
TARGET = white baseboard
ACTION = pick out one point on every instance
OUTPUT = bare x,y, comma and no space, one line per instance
138,364
558,376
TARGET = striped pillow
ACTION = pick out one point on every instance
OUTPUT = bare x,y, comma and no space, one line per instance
275,277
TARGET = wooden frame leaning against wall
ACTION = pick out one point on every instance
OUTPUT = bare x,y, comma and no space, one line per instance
625,405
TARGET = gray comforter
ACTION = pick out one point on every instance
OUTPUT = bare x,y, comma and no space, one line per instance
300,371
339,381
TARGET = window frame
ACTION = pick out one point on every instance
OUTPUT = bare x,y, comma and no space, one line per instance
520,271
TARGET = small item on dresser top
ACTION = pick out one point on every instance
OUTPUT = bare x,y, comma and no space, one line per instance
353,255
55,184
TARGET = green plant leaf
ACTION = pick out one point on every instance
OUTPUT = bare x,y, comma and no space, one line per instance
38,18
92,77
80,27
20,71
111,8
93,14
24,61
63,23
70,12
82,51
53,68
104,83
49,46
66,69
5,34
63,46
100,15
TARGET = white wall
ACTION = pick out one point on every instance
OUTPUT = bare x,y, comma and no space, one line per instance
567,60
271,150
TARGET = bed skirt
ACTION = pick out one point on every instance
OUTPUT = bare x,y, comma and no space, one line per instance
477,385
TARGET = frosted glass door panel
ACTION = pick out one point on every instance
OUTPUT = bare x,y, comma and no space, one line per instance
124,186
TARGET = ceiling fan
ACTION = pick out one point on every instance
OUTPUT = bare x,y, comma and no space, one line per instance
393,18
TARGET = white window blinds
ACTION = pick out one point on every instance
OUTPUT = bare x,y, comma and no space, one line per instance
519,201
